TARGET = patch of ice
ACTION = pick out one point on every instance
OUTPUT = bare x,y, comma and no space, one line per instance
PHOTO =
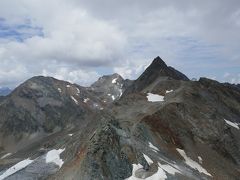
86,100
76,102
121,92
53,156
159,175
200,159
192,163
155,97
169,169
113,97
59,90
114,80
17,167
235,125
152,146
135,168
169,91
148,159
6,155
70,135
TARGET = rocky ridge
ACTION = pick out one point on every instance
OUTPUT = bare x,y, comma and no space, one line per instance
160,126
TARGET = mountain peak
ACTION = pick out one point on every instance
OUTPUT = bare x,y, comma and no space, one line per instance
158,62
108,78
110,87
157,69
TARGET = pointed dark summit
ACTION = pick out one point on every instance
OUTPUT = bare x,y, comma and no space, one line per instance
157,69
158,62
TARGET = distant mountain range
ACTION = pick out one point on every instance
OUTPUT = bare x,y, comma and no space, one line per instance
5,91
159,126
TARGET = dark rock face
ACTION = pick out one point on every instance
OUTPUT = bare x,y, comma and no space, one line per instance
192,133
235,86
106,156
157,70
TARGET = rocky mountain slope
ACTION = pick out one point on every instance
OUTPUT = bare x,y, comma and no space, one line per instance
160,126
110,88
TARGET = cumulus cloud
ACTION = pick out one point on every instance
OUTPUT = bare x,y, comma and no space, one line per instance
226,75
74,76
71,39
231,77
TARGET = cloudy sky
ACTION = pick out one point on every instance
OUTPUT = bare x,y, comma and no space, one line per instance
80,40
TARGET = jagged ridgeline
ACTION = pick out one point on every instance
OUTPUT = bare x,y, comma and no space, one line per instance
159,126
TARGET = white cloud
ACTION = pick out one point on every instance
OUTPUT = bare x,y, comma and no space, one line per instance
226,75
70,34
72,38
79,76
232,78
131,69
233,81
123,36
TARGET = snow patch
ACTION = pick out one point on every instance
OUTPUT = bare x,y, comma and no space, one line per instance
109,94
152,146
121,92
68,86
155,97
135,168
114,81
169,168
76,102
6,155
192,163
86,100
200,159
59,90
169,91
148,159
95,105
78,91
70,135
159,175
17,167
113,97
53,156
235,125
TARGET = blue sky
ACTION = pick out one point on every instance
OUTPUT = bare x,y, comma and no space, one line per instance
79,41
18,32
